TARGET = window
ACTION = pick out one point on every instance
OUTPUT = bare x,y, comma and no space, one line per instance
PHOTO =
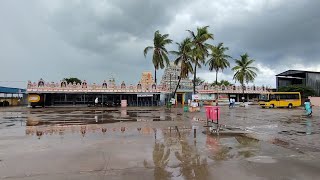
283,96
272,97
288,96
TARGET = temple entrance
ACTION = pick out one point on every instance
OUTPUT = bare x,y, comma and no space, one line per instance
179,98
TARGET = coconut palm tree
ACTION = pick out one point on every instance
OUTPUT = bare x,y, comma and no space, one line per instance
244,71
183,60
160,53
200,49
218,60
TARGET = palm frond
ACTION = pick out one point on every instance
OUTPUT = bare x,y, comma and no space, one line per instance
145,51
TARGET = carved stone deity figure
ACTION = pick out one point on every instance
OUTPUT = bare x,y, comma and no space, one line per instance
139,86
244,88
41,83
52,85
84,84
154,86
123,85
205,87
104,84
74,85
29,84
63,83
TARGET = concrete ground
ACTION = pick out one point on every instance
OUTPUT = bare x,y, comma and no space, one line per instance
154,143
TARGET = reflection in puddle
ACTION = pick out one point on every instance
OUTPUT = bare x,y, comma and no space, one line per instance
83,130
225,148
173,156
309,127
95,117
262,159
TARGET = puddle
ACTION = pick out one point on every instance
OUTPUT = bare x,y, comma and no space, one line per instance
77,117
168,149
227,148
262,159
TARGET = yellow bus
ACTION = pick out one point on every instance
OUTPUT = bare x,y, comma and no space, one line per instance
280,99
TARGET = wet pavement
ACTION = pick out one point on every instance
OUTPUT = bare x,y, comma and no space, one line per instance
154,143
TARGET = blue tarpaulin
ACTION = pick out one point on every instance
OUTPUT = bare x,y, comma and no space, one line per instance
10,90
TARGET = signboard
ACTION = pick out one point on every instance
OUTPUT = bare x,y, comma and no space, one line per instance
144,95
223,98
33,98
195,97
206,97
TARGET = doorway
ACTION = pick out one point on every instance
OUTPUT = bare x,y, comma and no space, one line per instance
179,98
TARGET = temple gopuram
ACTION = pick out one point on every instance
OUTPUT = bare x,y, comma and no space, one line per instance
146,79
170,79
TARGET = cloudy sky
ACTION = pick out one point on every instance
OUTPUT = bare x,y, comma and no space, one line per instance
96,39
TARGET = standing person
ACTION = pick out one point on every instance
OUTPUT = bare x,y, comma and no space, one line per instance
233,102
96,101
308,107
230,102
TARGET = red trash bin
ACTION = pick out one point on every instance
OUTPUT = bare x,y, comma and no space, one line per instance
213,112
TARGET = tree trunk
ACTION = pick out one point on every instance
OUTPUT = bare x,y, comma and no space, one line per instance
155,76
216,77
242,93
194,78
175,91
217,90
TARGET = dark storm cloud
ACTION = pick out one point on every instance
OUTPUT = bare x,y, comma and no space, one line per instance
279,34
106,25
94,39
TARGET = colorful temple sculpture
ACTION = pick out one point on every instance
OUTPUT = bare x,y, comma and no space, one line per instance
146,79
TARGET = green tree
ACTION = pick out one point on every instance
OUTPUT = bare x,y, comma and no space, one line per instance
200,49
198,81
160,53
222,82
218,59
244,71
72,80
304,90
183,60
